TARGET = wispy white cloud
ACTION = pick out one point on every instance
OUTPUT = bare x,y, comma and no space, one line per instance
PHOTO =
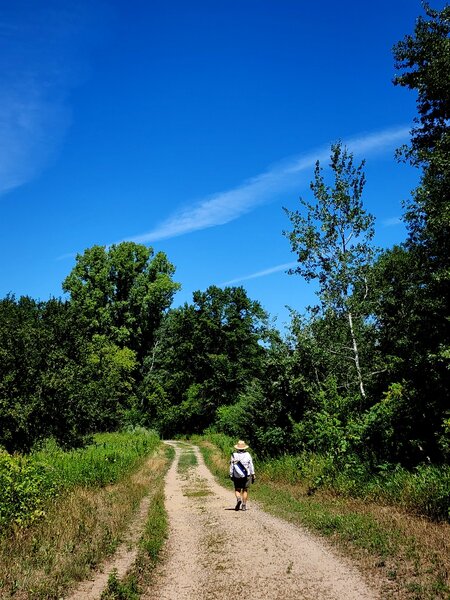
378,142
66,256
263,273
31,128
392,222
42,59
223,207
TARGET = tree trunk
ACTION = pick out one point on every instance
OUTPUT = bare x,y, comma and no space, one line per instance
356,356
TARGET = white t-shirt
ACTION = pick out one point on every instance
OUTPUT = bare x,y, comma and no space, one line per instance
245,459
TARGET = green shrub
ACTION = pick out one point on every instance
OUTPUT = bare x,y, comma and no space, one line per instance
27,482
24,488
424,490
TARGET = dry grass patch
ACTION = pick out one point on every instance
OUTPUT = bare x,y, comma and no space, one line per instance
408,556
80,530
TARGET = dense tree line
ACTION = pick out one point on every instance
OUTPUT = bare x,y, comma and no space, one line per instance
364,375
70,368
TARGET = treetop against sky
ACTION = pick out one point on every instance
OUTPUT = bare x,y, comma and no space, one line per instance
187,126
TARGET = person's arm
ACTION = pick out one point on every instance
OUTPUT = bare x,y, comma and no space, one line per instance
251,467
252,470
231,466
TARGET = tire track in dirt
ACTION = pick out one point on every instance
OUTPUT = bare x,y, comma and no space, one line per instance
215,552
122,560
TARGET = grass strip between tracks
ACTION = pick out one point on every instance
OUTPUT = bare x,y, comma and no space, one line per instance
139,578
81,529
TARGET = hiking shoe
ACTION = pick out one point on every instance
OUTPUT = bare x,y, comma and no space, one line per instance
244,507
238,505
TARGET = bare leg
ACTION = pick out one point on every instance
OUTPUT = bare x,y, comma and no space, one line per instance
238,499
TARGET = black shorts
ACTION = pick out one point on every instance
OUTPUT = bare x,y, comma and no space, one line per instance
242,483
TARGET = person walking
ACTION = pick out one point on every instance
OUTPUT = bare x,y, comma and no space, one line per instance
242,472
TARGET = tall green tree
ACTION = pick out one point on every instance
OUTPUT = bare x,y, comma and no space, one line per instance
413,311
423,62
122,292
207,353
332,237
42,383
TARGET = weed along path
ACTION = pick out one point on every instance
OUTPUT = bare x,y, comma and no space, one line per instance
215,552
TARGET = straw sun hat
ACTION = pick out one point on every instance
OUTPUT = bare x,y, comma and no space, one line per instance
241,445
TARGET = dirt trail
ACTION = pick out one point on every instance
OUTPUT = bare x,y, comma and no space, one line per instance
216,553
121,562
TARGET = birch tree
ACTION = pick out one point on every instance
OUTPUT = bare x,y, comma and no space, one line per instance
332,238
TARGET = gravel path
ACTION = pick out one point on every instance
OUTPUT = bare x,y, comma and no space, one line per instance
216,553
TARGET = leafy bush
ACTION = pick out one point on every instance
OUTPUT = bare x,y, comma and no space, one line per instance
24,488
230,419
222,441
425,490
28,482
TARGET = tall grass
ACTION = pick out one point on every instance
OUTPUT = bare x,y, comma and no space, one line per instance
82,527
424,490
28,482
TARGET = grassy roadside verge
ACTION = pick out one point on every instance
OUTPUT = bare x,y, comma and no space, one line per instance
30,483
82,527
155,533
407,555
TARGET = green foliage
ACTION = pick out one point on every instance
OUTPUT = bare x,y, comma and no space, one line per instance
100,463
110,374
267,408
206,353
71,368
388,428
414,311
122,293
41,384
423,60
120,590
444,438
25,488
250,419
28,482
425,490
332,239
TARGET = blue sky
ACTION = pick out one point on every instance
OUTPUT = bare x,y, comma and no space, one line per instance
188,126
